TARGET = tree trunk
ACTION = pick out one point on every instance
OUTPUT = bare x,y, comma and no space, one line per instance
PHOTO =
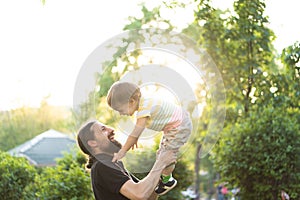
197,168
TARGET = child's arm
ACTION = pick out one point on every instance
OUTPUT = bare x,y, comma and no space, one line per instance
132,138
135,134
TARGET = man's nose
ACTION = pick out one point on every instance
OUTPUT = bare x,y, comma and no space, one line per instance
110,130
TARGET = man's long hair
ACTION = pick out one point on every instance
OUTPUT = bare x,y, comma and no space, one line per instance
85,134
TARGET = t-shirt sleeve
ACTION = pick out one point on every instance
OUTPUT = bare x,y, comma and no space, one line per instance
143,113
144,109
109,178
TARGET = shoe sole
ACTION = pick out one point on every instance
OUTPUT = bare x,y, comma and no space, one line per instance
169,188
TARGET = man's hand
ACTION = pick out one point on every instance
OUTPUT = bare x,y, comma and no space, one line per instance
166,157
118,156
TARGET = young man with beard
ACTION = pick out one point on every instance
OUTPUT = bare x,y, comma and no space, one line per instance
110,180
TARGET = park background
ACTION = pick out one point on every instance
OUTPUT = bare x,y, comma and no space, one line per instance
45,44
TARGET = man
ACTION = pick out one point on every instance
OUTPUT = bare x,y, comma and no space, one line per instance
110,180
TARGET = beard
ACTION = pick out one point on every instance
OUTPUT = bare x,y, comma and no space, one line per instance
117,143
113,147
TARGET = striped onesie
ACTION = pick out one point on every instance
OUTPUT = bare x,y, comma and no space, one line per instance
167,117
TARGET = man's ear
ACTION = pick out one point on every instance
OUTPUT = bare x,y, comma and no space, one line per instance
92,143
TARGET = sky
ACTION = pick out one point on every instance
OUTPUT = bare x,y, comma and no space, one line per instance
43,47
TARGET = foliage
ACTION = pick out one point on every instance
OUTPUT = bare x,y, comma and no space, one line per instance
240,44
22,124
16,177
108,77
261,154
289,82
182,173
73,158
252,153
241,47
147,157
68,180
291,57
254,55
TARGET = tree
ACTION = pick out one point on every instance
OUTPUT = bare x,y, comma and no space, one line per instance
241,46
22,124
291,57
269,135
289,82
122,63
208,30
255,40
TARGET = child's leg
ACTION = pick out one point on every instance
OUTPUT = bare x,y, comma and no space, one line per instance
167,182
172,140
167,173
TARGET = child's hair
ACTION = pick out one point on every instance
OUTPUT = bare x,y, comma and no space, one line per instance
121,93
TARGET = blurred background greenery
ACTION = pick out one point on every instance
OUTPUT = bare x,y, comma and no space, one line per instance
258,150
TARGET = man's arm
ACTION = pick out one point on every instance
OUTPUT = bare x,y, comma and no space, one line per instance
153,196
144,189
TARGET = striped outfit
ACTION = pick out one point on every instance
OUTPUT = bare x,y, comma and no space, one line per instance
167,117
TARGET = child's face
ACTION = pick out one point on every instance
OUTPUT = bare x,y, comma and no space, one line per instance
129,108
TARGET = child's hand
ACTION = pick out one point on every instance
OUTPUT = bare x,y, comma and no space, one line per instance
135,145
118,156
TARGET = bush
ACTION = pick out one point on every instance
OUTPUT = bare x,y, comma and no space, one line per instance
16,177
68,180
261,154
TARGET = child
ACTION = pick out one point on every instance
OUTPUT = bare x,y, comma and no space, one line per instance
155,114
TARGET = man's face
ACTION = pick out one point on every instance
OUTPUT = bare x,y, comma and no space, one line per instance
105,138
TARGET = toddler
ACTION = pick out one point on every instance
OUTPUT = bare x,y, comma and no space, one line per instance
155,114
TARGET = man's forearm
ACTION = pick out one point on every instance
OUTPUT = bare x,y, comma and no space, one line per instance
148,184
144,189
153,196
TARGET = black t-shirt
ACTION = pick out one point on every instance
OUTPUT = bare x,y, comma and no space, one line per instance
108,178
